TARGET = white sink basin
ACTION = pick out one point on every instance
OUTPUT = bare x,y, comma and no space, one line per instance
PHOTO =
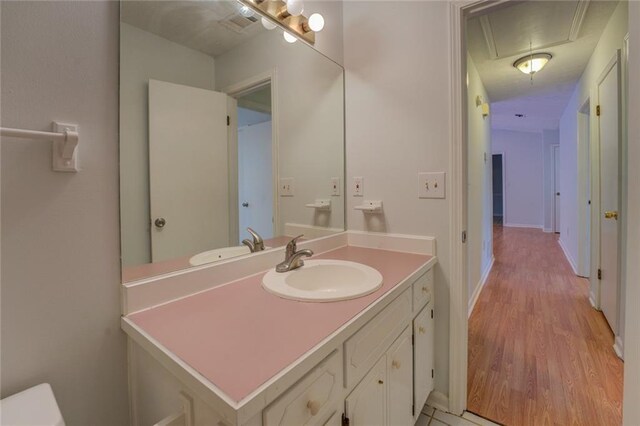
219,254
324,281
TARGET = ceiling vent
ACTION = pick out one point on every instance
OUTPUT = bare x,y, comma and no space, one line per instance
239,23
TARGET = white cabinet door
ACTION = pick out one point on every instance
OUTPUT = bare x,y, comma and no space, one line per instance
400,381
366,405
422,358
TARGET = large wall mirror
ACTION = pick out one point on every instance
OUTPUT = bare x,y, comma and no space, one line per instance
224,126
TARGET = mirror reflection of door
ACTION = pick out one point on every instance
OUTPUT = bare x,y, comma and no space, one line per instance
187,167
255,166
498,187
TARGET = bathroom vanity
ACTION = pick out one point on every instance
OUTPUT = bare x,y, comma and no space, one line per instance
236,354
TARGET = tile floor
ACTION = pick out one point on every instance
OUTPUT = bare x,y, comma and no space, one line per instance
433,417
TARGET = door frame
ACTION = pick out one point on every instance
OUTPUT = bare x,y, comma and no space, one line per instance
504,185
555,155
236,90
584,190
595,283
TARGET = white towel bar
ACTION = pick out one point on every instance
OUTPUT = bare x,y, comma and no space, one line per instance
65,139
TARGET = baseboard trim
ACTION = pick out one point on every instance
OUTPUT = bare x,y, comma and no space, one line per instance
568,256
592,300
618,347
479,287
522,225
548,230
438,400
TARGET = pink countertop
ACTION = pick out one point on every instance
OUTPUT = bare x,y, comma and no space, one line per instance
147,270
238,336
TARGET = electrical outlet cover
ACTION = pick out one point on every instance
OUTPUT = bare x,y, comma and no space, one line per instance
358,186
335,186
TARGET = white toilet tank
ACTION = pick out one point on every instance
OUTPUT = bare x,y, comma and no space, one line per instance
35,406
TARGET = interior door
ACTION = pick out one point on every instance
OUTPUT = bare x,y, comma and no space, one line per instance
255,182
366,404
556,188
188,177
609,128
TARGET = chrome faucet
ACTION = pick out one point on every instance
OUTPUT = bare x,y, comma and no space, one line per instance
257,244
293,258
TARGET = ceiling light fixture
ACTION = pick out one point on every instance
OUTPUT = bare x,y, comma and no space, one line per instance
533,63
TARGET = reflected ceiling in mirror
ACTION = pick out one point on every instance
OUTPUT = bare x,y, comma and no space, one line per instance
224,126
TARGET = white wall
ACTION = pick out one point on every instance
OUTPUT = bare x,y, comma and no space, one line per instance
309,120
146,56
523,176
60,246
397,108
569,177
632,338
480,189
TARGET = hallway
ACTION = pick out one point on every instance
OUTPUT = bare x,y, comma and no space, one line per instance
538,352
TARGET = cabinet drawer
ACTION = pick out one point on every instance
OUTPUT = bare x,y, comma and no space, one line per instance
367,345
312,400
422,290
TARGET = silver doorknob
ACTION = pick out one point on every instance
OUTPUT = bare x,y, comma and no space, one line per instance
245,204
160,222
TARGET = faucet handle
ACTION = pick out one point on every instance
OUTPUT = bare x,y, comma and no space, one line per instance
292,245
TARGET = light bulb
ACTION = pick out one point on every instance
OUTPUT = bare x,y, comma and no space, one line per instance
268,24
246,11
289,37
295,7
316,22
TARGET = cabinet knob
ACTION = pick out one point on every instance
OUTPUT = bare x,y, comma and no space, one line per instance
421,329
380,382
314,407
395,364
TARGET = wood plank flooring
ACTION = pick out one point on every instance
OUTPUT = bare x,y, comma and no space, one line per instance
539,354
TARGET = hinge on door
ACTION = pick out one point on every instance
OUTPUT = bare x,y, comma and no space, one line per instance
432,313
432,373
598,110
599,273
345,420
228,121
464,237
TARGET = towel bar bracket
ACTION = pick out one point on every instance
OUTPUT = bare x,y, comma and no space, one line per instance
65,154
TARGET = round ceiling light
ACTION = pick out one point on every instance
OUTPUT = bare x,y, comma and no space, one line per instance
531,64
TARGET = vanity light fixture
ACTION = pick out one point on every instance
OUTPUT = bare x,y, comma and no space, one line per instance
533,63
295,7
288,15
316,22
268,24
289,38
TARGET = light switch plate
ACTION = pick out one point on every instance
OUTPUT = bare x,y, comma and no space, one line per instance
335,186
431,185
287,187
358,186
